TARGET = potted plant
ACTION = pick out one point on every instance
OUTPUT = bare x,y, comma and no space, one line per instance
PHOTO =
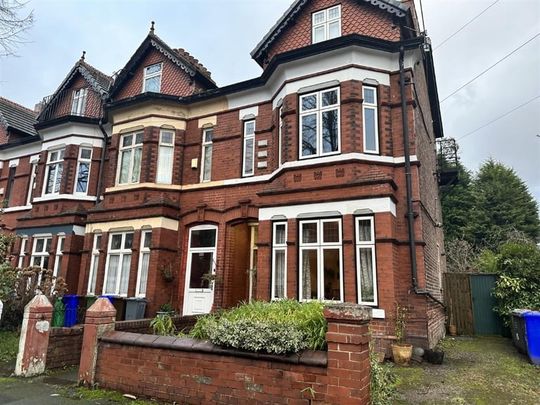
401,351
166,309
167,272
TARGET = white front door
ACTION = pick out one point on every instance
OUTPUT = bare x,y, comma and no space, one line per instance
200,271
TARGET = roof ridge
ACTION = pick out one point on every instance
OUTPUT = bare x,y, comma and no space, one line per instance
18,105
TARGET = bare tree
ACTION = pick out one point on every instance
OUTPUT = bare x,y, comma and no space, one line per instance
14,22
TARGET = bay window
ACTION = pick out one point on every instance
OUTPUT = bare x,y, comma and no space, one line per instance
94,264
365,261
53,171
40,252
78,105
370,119
279,260
248,166
152,78
118,264
165,157
326,24
321,264
319,123
83,170
129,169
206,158
144,262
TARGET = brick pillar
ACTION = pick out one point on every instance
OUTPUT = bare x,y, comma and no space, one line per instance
34,339
99,320
348,353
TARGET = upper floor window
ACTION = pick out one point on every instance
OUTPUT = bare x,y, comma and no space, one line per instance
166,157
40,252
79,101
248,167
53,171
206,158
365,261
118,264
152,78
319,123
326,24
371,121
129,170
83,170
321,267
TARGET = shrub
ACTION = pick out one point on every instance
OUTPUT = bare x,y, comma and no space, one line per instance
383,382
163,325
274,327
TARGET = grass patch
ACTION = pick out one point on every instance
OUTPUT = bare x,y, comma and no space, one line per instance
478,371
9,346
99,394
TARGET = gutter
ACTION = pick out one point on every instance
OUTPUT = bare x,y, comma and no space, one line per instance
408,183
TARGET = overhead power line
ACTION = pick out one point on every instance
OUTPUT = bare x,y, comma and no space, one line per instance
467,24
500,117
489,68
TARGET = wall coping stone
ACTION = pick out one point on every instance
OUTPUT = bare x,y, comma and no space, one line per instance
344,312
307,357
62,331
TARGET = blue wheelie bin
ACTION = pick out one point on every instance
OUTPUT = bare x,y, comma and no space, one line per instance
72,303
532,332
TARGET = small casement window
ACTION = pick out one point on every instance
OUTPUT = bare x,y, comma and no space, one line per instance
40,252
206,158
9,186
365,261
326,24
31,183
166,157
129,170
78,106
22,252
321,267
248,167
118,264
58,256
371,121
53,171
83,170
94,264
319,123
279,260
144,263
152,78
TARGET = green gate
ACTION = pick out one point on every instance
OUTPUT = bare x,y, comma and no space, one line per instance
486,321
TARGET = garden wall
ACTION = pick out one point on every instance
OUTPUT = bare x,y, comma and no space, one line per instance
198,372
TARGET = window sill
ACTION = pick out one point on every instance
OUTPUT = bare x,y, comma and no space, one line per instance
53,197
16,209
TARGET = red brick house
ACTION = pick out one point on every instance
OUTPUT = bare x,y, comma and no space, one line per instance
316,180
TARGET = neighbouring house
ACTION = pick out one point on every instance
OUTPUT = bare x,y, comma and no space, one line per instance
316,180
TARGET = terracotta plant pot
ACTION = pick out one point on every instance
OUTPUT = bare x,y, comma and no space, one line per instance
452,329
402,353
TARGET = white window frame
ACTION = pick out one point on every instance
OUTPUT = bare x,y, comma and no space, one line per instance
78,104
325,23
279,247
207,147
143,251
147,76
57,163
60,242
320,246
164,175
247,137
94,263
365,245
122,253
318,111
374,107
192,250
41,254
280,135
32,183
123,149
82,160
22,252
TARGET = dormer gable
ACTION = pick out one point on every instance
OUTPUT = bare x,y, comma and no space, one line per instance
80,96
309,22
155,67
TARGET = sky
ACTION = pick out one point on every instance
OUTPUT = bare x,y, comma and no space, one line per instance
222,33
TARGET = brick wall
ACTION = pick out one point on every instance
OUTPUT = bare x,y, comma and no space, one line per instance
64,347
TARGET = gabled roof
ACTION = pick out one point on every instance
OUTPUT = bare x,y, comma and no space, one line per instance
391,6
99,81
180,57
15,116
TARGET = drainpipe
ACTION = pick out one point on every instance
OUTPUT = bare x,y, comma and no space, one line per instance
102,162
408,181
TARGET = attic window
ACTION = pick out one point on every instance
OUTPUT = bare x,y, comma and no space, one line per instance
326,24
152,78
79,102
